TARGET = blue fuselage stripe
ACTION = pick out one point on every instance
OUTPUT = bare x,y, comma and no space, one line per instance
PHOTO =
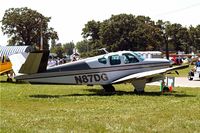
140,66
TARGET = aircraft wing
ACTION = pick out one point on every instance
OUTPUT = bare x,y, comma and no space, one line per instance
148,74
5,71
5,67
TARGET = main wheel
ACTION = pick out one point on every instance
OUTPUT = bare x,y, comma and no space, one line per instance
108,88
9,80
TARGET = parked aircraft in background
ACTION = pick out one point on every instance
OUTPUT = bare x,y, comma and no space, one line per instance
5,67
5,64
104,70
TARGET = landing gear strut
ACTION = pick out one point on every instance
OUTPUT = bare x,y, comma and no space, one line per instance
139,85
108,88
9,80
9,77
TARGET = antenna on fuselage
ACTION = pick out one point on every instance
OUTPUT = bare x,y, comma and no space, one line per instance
104,49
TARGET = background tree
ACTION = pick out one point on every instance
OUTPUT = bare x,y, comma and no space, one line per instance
116,32
137,33
173,32
58,49
25,26
68,48
91,30
91,40
194,35
122,32
147,35
53,44
84,48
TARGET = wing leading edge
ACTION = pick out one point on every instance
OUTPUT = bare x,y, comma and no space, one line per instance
148,74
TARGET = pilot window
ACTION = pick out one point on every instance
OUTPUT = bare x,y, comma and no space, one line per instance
102,60
129,58
115,60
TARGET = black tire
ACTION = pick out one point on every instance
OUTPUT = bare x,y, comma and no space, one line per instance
139,92
108,88
9,80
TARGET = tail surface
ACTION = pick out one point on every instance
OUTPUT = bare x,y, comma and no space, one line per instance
17,60
34,62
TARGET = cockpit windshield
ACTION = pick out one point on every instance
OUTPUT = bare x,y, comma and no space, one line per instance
139,56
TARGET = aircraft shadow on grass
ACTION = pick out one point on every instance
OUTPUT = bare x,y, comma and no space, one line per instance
98,92
13,82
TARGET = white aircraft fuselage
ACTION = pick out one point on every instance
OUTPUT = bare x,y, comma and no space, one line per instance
105,70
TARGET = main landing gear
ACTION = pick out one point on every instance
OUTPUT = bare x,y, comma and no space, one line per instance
108,88
139,85
9,77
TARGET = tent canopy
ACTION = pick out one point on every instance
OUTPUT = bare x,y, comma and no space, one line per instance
9,50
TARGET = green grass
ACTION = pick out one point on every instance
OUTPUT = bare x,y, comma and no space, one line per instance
61,108
182,72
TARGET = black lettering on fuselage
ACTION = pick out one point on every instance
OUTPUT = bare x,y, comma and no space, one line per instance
85,78
104,77
97,78
78,79
90,78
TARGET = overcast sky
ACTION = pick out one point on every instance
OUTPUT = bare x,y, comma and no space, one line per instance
68,17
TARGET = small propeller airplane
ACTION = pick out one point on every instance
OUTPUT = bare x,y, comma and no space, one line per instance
105,70
5,64
5,67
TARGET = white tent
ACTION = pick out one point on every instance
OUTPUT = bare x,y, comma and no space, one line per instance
9,50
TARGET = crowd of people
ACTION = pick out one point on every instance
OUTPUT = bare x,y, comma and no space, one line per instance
58,61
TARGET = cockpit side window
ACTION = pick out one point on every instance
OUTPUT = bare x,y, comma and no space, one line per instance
115,60
129,58
102,60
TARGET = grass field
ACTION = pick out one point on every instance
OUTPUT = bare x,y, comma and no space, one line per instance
77,109
182,72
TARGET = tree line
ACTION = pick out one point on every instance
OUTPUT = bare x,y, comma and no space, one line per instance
137,33
25,26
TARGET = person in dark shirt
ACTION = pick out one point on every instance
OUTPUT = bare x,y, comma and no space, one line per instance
198,63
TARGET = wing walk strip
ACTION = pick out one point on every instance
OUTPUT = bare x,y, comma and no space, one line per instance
90,71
